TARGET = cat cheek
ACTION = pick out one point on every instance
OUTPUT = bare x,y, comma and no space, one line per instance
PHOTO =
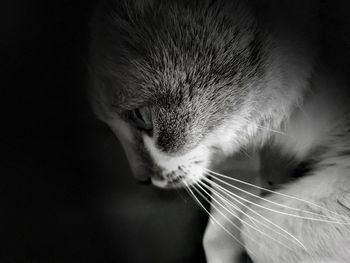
129,139
135,161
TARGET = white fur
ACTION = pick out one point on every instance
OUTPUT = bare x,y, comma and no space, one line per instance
171,163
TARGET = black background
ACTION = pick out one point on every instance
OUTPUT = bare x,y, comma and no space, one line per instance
66,191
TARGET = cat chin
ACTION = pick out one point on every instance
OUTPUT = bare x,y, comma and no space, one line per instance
159,183
165,184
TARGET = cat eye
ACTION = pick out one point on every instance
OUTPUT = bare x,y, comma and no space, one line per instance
141,118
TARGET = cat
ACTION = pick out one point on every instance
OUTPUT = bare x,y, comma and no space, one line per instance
187,85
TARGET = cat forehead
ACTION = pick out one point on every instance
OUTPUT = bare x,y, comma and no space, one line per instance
179,51
174,89
162,77
188,39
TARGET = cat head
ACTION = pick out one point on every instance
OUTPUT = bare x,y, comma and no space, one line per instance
183,83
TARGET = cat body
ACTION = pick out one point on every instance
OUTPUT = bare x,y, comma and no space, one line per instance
325,185
185,85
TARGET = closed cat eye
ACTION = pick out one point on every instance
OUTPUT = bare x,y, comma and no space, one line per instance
141,118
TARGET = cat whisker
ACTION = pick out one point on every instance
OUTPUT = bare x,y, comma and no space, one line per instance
225,201
216,221
302,110
183,197
232,195
245,153
212,217
274,131
279,212
212,173
230,202
234,215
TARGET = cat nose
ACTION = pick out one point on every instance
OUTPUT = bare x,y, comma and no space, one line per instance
171,142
